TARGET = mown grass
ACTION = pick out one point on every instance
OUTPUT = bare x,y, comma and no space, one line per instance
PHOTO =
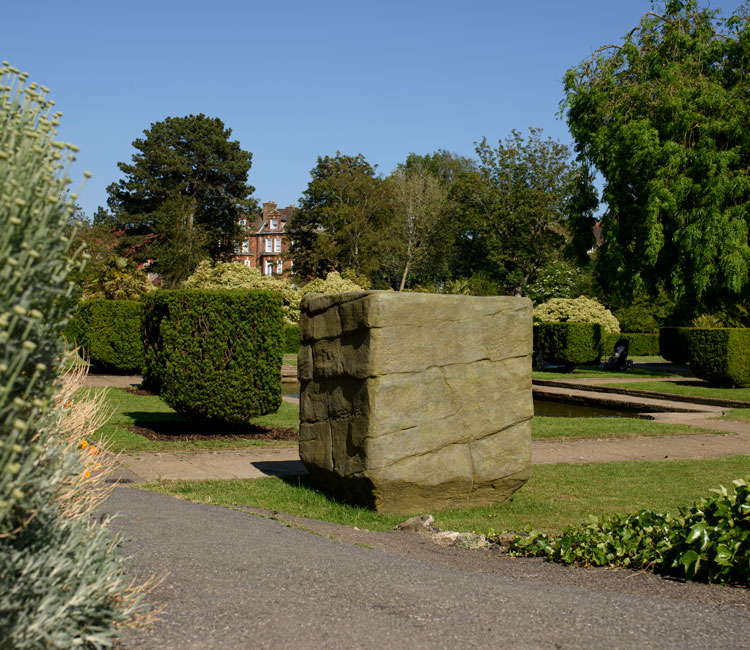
593,371
146,410
690,388
550,428
737,414
555,496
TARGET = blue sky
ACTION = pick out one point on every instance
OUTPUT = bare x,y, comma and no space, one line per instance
299,79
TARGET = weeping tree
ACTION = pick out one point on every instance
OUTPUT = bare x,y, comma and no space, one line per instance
664,118
61,584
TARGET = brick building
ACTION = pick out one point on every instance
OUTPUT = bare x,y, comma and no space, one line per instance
265,240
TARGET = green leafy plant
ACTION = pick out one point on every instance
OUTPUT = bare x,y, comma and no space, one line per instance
231,275
721,356
708,542
118,279
674,344
109,333
214,355
61,582
639,344
569,343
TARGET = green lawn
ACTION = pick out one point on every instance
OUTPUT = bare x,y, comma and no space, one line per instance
147,410
738,414
691,388
556,495
550,428
290,359
595,371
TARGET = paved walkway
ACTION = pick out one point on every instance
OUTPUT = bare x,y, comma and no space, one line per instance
236,580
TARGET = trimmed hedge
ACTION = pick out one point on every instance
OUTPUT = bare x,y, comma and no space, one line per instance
569,343
639,344
214,355
721,356
674,344
290,338
109,333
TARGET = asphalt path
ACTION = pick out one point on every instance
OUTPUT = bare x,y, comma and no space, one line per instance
237,580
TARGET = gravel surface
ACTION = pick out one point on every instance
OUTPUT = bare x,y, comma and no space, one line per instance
238,580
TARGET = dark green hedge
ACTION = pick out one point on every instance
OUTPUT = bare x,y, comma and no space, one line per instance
639,344
569,343
290,334
109,334
720,356
674,344
214,355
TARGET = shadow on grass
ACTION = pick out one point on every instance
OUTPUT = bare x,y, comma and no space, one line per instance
171,426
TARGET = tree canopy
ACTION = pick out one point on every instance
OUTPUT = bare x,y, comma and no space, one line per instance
665,118
515,208
182,194
420,232
340,218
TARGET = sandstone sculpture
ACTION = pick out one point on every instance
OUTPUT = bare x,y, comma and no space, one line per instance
412,402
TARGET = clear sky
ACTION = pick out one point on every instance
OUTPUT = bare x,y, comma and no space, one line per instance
299,79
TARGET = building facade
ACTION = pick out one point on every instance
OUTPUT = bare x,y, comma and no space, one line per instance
265,241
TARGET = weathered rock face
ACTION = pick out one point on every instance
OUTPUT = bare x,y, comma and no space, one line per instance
413,402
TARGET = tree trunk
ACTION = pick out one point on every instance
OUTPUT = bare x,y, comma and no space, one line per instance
404,276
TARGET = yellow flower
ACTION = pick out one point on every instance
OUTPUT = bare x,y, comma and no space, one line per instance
83,444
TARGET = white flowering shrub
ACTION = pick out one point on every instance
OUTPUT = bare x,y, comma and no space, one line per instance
333,283
576,310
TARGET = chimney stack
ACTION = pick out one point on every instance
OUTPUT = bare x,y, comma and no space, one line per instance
268,208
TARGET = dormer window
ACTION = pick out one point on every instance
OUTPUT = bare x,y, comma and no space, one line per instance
243,222
273,224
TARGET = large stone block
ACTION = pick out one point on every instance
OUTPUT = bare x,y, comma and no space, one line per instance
413,402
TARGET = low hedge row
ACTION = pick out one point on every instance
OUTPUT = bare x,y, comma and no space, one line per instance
109,333
290,338
674,344
721,356
214,355
639,344
569,343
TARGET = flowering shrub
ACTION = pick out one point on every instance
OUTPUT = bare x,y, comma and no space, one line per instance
558,280
576,310
333,283
231,275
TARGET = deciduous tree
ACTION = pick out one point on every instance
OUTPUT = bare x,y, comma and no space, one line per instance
515,205
340,218
664,116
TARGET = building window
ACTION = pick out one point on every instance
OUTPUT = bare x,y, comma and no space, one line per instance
269,268
279,267
269,245
277,245
243,222
246,246
247,262
237,249
274,225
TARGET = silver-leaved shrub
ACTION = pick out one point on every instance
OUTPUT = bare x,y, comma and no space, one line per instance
61,583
